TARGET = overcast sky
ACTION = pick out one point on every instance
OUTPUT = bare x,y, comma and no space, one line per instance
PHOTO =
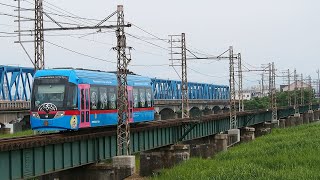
283,31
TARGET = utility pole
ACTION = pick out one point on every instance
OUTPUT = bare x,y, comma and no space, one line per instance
184,75
301,91
233,111
262,84
123,128
39,36
184,82
296,108
310,93
289,88
272,90
240,91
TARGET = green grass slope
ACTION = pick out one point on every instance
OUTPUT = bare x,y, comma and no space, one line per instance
292,153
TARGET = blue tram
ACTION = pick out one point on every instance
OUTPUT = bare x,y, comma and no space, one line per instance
69,99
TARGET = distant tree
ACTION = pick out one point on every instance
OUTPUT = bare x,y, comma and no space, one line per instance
282,100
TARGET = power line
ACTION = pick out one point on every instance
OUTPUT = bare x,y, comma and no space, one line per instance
8,5
74,17
86,55
32,19
208,75
101,59
161,39
46,11
79,18
147,42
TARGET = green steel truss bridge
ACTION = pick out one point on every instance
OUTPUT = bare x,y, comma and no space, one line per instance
22,158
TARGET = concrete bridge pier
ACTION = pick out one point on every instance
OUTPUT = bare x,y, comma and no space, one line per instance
316,115
298,120
262,129
247,134
124,166
305,117
289,121
311,116
282,123
154,160
221,141
202,147
275,123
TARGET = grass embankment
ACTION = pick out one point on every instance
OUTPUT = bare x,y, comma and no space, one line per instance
292,153
18,134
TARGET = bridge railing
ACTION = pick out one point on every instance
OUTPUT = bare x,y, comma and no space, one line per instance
14,105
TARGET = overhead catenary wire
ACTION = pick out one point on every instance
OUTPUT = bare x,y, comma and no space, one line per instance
100,59
8,5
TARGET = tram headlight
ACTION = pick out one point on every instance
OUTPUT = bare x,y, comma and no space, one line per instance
35,114
59,114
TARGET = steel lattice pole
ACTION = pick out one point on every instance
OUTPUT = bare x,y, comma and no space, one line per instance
310,93
184,83
262,84
233,111
123,129
39,36
296,109
289,89
240,93
301,91
273,93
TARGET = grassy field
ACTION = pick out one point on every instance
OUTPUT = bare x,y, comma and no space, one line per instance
22,133
292,153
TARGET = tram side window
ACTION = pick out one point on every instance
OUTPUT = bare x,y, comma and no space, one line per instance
103,100
135,98
72,97
142,96
82,98
87,98
112,98
94,94
149,97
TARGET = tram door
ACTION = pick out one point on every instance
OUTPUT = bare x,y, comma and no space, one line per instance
84,105
130,103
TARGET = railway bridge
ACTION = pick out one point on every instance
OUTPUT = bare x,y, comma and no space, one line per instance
28,157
